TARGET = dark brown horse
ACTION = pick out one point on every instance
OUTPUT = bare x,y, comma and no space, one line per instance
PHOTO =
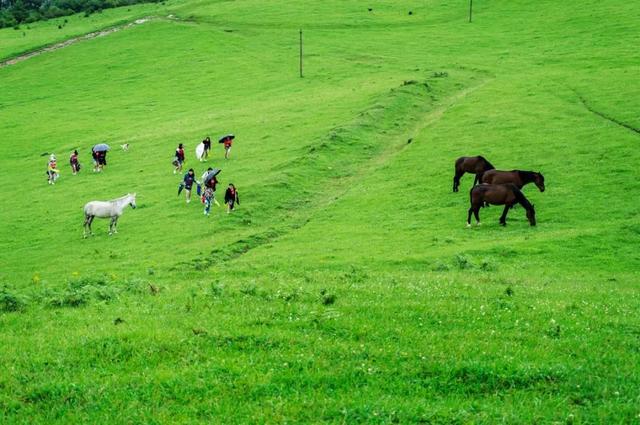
517,177
499,194
470,164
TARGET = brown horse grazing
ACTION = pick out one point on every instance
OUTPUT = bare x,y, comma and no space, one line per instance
470,164
517,177
499,194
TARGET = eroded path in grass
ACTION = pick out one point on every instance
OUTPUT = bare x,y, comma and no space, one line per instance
417,106
70,41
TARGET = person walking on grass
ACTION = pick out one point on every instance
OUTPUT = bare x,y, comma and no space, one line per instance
227,141
231,197
179,159
227,147
209,197
210,182
187,183
52,170
99,160
207,147
96,165
75,164
205,174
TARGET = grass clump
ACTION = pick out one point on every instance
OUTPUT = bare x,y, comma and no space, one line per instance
11,301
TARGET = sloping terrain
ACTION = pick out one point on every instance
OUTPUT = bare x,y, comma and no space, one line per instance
346,287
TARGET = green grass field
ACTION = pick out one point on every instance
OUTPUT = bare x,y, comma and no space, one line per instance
346,287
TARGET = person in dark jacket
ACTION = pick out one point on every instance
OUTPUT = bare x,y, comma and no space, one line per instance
207,147
187,183
179,159
231,197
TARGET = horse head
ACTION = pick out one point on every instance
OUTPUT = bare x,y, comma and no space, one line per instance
132,200
531,215
539,181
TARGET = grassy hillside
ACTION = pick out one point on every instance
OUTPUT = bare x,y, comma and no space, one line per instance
346,287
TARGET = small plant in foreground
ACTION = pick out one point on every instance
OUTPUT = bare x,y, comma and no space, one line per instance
11,302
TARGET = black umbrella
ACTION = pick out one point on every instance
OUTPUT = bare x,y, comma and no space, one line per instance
225,138
211,175
101,147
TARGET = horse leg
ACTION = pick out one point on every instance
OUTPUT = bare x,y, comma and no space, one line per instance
111,226
476,213
115,224
456,180
86,222
90,220
503,217
469,217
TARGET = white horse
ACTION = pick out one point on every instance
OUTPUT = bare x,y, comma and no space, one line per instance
107,209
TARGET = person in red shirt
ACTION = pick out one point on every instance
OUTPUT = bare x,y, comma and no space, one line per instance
231,197
73,161
227,147
179,159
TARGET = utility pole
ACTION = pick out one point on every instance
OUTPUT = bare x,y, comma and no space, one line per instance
300,52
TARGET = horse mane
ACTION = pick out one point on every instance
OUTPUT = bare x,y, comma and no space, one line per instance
521,198
488,165
526,176
121,198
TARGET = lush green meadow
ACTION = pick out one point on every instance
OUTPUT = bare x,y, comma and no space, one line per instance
346,287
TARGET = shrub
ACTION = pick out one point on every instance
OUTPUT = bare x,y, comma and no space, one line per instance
10,301
463,262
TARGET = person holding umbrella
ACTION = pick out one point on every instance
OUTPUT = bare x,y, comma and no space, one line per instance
99,153
227,141
209,182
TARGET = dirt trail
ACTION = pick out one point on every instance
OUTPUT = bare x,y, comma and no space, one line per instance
71,41
270,235
604,115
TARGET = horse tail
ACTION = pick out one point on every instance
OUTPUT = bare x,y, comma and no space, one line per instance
487,164
520,197
475,188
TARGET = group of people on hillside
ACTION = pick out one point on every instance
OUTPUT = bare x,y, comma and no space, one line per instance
179,156
53,173
207,185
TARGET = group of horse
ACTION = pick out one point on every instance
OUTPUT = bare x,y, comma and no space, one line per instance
495,187
491,187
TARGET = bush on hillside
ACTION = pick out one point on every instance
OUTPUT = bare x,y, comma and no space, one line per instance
16,12
10,301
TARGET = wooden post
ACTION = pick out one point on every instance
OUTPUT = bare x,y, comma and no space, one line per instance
470,9
301,53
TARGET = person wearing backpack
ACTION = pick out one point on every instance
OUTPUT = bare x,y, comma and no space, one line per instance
178,159
75,164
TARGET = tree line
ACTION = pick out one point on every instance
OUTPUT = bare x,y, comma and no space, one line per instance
13,13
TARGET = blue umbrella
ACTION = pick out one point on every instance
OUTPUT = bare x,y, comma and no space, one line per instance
101,147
